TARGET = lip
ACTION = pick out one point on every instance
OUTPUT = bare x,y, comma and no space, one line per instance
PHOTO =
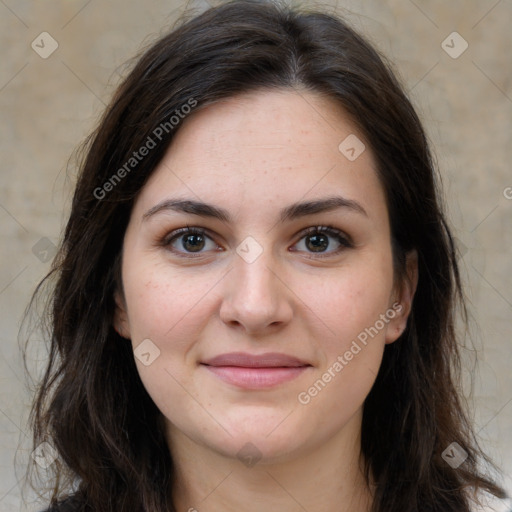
261,371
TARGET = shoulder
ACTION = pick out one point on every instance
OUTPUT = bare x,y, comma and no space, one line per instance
496,505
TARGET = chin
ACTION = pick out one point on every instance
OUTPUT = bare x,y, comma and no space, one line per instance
251,450
267,438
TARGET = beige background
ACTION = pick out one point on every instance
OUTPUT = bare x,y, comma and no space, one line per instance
49,105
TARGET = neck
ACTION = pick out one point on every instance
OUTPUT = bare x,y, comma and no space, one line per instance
328,478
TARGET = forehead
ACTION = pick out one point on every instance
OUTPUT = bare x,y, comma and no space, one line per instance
269,119
266,147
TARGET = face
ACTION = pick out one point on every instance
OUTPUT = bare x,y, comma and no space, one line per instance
261,317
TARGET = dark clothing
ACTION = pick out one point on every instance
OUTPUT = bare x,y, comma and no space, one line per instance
71,504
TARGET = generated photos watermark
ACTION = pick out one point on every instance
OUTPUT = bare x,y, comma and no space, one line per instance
454,455
305,397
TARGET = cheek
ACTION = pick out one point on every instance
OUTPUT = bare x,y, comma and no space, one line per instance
352,341
167,309
164,305
350,303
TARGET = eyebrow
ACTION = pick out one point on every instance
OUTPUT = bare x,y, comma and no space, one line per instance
289,213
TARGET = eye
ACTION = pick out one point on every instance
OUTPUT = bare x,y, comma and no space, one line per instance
316,241
189,240
192,242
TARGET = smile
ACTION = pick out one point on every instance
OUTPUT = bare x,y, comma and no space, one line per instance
261,371
256,378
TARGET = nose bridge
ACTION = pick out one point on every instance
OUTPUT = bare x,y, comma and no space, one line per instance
254,281
255,296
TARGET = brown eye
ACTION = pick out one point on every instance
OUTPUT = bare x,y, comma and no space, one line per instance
192,242
189,240
317,243
319,239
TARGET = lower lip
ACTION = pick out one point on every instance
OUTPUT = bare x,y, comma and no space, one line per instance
256,378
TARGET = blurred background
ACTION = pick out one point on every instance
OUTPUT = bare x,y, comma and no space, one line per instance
60,61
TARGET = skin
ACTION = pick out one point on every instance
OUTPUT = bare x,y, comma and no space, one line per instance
253,155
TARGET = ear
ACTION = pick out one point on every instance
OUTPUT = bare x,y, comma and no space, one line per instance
403,298
121,324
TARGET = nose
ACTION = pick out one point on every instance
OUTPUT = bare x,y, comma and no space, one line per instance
256,296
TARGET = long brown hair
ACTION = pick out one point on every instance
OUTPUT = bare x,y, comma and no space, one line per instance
91,405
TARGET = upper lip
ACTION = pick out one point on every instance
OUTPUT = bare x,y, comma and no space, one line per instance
268,360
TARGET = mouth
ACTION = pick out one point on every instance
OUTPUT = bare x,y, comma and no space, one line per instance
249,371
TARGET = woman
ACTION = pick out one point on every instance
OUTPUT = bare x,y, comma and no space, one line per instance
256,289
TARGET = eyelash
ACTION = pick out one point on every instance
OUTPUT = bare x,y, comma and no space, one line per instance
313,230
